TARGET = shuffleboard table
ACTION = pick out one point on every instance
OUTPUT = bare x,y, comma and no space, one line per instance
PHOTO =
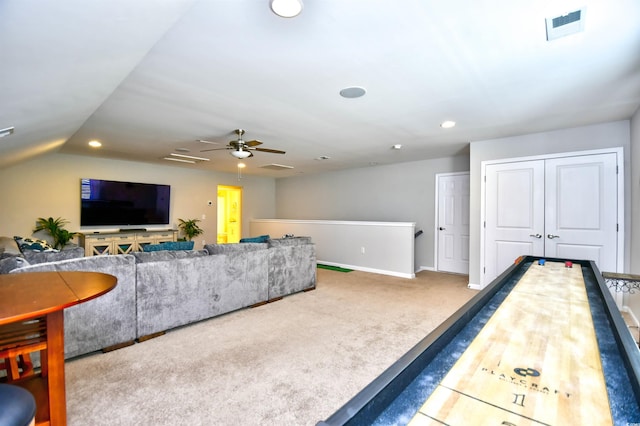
543,344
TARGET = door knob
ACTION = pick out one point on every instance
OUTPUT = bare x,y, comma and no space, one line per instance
551,236
441,228
535,235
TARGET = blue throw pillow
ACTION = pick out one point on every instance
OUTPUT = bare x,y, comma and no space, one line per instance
260,239
171,245
178,245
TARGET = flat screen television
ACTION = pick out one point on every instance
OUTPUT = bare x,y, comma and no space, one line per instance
110,202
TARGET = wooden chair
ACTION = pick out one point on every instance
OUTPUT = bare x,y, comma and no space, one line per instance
17,342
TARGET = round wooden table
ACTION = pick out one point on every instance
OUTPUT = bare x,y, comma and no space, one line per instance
32,319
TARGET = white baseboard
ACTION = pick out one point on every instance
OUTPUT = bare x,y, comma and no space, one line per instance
372,270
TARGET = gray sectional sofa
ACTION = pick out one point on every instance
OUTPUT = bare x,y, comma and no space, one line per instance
182,291
161,290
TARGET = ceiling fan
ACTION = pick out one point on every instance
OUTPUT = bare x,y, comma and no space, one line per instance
241,149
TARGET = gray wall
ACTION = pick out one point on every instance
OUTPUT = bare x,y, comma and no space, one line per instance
392,193
50,186
633,300
606,135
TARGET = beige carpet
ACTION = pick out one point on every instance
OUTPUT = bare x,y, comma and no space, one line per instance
291,362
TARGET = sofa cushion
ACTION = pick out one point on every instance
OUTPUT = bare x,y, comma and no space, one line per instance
290,241
156,256
10,263
169,245
9,247
234,248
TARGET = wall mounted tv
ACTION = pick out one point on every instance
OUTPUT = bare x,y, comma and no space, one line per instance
109,202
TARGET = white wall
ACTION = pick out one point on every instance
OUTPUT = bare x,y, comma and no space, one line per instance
50,186
606,135
391,193
378,247
633,300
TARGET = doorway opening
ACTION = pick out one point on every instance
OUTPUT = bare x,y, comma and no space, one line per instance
229,214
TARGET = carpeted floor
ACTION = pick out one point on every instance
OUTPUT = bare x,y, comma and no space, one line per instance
291,362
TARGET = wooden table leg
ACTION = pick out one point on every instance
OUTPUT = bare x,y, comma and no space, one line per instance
54,368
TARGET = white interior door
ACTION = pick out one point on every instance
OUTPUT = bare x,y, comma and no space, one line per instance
581,209
514,218
453,223
565,207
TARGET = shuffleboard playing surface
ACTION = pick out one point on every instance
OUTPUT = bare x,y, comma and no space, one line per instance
535,362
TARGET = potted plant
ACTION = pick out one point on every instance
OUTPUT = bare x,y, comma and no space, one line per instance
55,228
190,228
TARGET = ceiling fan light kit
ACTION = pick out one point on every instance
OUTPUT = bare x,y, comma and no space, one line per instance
286,8
240,154
241,149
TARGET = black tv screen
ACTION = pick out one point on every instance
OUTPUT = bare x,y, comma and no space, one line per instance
109,202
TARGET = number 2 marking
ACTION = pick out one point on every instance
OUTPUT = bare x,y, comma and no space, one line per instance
519,399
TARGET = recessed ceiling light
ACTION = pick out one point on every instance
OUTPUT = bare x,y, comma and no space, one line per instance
447,124
241,165
6,132
95,144
352,92
397,146
286,8
190,157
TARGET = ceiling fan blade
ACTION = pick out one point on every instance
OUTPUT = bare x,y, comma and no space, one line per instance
253,143
272,151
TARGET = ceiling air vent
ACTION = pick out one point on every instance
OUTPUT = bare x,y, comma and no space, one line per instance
276,167
565,25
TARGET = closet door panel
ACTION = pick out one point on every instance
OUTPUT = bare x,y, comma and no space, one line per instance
581,209
514,206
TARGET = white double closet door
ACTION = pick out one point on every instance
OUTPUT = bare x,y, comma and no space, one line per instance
560,207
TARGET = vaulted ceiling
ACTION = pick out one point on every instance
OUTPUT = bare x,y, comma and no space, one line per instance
148,78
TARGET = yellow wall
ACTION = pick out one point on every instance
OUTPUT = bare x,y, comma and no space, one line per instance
229,214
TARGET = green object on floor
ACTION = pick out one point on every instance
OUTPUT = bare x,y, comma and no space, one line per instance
334,268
